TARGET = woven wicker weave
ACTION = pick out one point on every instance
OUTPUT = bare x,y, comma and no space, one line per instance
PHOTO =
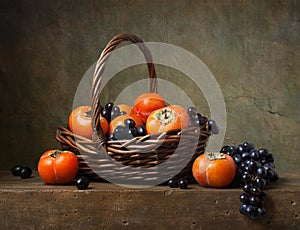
135,159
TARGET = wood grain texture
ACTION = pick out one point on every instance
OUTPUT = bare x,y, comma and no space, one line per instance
30,204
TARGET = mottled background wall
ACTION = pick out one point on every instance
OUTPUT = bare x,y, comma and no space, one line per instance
251,47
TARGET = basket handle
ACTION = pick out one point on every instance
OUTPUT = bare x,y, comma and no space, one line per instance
100,65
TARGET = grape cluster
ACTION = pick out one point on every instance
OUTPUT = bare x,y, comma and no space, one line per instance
127,131
111,111
23,171
196,118
255,170
121,132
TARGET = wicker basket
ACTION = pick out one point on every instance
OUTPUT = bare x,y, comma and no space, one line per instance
140,158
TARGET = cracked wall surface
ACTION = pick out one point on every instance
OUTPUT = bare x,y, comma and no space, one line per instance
251,47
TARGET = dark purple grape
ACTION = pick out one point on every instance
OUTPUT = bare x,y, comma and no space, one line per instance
116,109
132,133
255,191
239,149
229,150
196,123
246,177
121,132
109,106
232,148
183,183
129,123
243,164
173,183
212,125
191,110
243,208
248,146
237,159
225,149
254,154
263,153
252,164
250,210
260,182
16,170
247,187
82,183
141,130
25,172
115,112
112,137
269,165
261,172
195,117
244,197
248,169
120,129
245,155
106,114
254,200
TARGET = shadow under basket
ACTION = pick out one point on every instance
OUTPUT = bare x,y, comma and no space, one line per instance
144,160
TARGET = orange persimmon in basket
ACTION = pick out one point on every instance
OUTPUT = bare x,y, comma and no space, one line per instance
125,108
146,103
80,122
214,169
167,118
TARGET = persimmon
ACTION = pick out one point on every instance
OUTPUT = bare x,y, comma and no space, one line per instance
167,118
146,103
80,122
214,169
58,167
125,108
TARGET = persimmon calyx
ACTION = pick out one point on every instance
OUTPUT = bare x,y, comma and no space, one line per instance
215,156
56,153
166,116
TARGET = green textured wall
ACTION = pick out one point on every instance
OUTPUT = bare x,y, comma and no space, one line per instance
251,47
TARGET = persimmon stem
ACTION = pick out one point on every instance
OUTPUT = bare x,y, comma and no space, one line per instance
55,153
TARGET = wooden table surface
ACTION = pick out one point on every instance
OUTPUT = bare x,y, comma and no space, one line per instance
31,204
